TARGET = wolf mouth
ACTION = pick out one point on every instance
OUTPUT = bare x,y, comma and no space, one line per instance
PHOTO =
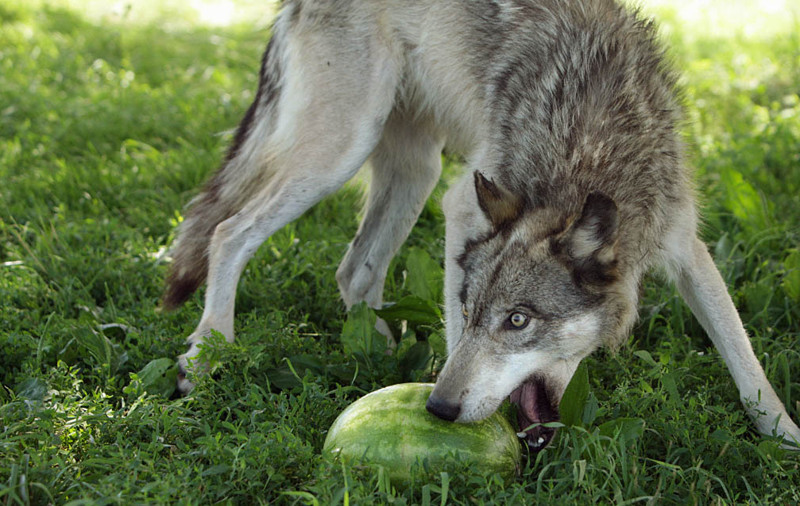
534,408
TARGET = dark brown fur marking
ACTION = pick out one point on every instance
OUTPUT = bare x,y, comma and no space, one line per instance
190,255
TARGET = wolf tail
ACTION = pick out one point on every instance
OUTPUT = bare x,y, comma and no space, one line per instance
244,172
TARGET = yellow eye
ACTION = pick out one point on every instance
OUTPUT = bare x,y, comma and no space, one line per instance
464,310
518,320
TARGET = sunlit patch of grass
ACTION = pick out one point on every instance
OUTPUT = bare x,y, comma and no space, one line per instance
753,20
173,15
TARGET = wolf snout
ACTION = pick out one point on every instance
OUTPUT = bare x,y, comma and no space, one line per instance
442,408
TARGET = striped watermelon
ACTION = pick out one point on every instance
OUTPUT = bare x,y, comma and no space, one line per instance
390,427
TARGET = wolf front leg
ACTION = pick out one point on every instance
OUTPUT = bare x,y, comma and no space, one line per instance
701,285
406,165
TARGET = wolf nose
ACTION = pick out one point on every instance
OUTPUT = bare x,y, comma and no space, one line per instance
442,409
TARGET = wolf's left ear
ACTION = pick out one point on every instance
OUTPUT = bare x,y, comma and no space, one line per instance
498,204
590,241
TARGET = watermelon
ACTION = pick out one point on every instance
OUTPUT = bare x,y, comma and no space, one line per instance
391,428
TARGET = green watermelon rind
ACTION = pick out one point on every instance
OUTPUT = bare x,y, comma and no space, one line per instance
365,432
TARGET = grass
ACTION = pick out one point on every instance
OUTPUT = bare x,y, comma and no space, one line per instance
108,124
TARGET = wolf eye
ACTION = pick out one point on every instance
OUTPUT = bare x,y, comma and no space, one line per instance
518,321
464,311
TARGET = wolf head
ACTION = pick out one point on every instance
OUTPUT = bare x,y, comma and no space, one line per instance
541,291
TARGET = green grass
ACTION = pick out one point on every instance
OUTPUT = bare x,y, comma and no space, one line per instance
108,124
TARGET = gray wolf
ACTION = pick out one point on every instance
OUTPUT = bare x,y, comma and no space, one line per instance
565,112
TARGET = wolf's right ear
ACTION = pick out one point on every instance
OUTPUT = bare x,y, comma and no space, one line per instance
498,204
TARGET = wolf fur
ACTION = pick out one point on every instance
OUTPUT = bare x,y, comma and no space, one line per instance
566,114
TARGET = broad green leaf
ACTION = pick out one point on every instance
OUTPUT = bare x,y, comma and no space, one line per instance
282,378
116,331
590,410
359,336
574,398
722,436
216,469
289,373
407,340
424,275
412,309
626,430
158,377
438,343
668,382
769,450
647,357
417,358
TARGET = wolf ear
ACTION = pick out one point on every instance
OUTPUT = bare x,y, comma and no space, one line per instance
498,204
590,242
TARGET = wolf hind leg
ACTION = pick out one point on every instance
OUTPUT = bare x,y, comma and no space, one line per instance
234,183
319,142
406,165
702,287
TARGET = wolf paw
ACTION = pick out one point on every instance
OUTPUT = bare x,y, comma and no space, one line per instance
188,365
184,386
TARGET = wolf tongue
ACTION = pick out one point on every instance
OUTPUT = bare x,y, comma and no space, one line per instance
533,406
527,403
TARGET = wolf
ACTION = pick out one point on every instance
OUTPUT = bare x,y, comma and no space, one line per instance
566,113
